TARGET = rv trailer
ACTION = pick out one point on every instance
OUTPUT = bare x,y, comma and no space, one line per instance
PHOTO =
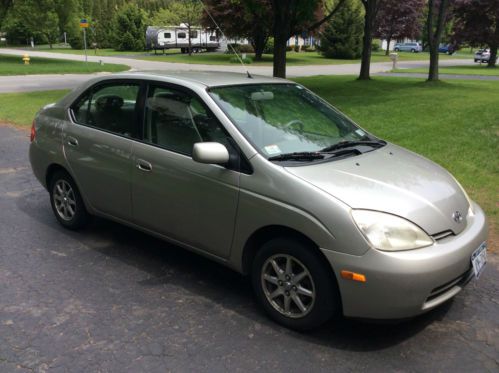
168,37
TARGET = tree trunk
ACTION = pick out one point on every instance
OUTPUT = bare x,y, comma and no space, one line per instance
282,32
433,71
259,41
189,36
280,55
365,65
434,37
493,56
388,41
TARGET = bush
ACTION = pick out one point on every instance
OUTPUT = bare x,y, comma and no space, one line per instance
289,48
246,60
342,37
297,48
375,47
246,48
308,48
129,25
269,47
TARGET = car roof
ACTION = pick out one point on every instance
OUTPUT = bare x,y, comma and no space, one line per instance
201,78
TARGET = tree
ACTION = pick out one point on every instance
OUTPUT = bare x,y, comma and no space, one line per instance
342,38
4,7
437,16
291,17
477,23
399,19
38,16
242,18
188,12
371,8
129,26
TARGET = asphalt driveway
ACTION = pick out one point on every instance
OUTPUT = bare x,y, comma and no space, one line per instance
111,299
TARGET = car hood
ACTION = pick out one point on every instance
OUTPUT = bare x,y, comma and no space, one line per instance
393,180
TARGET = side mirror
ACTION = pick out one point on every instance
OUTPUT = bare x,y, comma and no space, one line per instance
210,152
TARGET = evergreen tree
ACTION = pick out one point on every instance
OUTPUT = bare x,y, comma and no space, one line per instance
129,27
342,37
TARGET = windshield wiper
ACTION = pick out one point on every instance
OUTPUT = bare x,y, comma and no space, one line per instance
297,156
348,143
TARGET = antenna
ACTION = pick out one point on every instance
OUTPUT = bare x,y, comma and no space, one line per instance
225,37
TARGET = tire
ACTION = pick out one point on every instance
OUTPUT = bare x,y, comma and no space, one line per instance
66,201
317,289
413,50
397,50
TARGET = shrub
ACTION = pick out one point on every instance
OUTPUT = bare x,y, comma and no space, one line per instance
289,48
342,37
308,48
269,47
129,25
375,46
246,48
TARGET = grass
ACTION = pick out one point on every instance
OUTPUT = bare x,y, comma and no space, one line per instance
459,70
293,58
13,65
446,122
20,108
61,48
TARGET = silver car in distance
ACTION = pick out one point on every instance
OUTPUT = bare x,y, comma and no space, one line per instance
263,176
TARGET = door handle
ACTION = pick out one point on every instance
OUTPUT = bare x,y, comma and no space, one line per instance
144,165
72,141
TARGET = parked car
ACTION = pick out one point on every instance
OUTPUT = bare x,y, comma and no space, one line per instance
265,177
446,48
408,47
483,55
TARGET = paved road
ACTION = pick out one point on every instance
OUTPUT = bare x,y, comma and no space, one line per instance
111,299
42,82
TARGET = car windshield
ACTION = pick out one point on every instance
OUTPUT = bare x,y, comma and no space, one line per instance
285,118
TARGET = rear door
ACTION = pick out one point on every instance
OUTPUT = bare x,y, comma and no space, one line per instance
172,194
98,145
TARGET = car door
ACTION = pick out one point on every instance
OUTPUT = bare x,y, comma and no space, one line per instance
173,195
98,145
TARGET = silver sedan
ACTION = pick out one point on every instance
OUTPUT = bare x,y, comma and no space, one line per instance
265,177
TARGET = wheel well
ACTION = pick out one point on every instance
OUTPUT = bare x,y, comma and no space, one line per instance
262,235
53,168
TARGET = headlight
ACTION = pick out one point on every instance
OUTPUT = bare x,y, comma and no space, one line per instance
390,233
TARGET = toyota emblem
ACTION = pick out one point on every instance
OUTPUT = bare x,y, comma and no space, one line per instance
457,216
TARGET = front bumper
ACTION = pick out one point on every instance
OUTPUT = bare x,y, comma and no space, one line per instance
407,283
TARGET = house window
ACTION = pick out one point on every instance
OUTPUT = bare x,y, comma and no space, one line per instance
167,35
181,35
194,34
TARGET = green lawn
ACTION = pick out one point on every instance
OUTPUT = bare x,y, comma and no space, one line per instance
60,48
459,70
13,65
293,58
447,122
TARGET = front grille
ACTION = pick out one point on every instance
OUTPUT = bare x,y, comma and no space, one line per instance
442,235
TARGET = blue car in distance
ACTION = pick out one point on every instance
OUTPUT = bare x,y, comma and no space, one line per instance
446,48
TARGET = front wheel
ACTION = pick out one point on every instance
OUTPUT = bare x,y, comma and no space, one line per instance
66,201
293,284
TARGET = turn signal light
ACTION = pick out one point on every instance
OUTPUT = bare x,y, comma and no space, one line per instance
347,275
33,132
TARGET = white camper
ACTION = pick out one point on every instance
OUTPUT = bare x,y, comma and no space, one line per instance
168,37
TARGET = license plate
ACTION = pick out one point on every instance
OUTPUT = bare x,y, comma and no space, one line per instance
478,259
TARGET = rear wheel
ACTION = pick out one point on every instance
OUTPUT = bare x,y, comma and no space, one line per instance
397,50
413,50
66,201
293,284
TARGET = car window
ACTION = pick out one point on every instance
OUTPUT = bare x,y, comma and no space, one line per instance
176,120
167,35
181,35
111,107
